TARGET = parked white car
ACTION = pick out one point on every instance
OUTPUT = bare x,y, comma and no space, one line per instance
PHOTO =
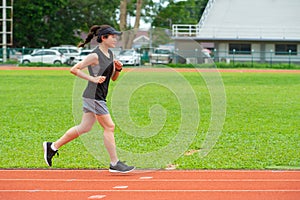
129,57
161,56
81,56
69,51
44,56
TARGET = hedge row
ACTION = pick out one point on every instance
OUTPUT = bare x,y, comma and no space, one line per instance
238,65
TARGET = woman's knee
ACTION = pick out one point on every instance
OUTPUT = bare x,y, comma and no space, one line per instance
81,129
109,127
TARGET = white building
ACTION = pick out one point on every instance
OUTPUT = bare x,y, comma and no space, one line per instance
246,30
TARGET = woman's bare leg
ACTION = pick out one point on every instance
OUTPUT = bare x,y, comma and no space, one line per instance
87,122
109,140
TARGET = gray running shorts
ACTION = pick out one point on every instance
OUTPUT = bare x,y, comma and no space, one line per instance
98,107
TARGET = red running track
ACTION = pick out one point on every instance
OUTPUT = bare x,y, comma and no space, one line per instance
154,185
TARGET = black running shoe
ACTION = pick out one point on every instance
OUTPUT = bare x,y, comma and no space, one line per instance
120,167
48,153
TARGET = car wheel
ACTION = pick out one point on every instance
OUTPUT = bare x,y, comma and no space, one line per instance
70,61
25,62
57,62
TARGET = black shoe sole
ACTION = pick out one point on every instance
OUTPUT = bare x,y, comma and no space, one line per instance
45,153
122,172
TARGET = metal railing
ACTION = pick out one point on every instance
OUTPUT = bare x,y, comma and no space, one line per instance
185,30
234,33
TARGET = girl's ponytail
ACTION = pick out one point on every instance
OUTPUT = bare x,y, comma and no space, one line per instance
93,32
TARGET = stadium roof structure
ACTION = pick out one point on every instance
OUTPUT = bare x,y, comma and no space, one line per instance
247,20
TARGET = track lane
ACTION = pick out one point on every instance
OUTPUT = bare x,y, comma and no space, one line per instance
100,184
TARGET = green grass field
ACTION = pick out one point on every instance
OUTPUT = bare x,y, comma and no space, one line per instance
261,128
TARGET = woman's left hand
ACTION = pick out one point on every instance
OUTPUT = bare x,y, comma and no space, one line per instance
118,65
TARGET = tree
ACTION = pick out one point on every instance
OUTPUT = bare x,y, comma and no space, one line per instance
48,23
183,12
123,15
159,16
37,23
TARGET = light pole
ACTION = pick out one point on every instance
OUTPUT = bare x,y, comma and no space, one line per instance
6,18
290,52
4,39
233,56
271,51
252,52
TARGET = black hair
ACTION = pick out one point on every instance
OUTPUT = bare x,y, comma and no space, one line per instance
93,32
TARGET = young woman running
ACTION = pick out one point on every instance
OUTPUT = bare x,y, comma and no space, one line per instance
102,68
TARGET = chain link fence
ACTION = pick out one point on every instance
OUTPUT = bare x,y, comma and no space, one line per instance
15,55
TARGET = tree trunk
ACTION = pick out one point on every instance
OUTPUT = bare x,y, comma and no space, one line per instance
139,4
136,24
129,35
123,14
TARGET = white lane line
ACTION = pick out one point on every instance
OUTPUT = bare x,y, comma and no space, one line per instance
120,187
97,197
152,180
70,191
146,177
34,190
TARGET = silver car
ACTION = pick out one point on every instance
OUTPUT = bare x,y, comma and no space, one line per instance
69,51
81,56
129,57
44,56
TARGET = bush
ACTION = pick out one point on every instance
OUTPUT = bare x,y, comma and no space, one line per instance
40,64
238,65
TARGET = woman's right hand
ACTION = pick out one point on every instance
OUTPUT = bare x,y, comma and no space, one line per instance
98,79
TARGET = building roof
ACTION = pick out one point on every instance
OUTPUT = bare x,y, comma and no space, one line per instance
262,20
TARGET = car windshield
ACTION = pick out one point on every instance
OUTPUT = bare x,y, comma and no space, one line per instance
84,53
39,52
162,51
63,51
126,52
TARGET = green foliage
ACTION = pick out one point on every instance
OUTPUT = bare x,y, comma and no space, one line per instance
182,12
40,64
258,65
220,65
246,65
50,23
39,23
160,36
10,62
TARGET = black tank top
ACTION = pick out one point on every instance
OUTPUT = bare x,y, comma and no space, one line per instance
104,68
